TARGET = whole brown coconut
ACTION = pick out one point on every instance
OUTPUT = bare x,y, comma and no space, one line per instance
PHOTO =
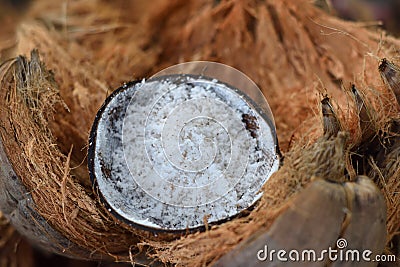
340,175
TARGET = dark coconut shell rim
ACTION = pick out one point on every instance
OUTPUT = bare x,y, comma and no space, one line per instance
91,156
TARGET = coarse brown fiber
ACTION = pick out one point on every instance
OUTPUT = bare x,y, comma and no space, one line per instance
294,51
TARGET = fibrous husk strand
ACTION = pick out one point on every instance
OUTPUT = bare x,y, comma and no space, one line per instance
325,159
365,115
368,142
37,89
385,165
390,74
330,123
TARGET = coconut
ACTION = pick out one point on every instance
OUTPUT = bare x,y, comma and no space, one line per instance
292,50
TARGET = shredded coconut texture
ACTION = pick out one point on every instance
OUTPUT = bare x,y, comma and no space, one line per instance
178,151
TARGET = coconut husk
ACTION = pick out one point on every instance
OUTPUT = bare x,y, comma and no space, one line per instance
291,49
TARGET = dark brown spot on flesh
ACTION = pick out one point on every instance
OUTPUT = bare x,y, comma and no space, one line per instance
250,124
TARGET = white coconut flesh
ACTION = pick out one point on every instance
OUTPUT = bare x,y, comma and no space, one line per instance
177,152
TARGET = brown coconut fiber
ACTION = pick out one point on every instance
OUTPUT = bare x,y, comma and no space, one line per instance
69,56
